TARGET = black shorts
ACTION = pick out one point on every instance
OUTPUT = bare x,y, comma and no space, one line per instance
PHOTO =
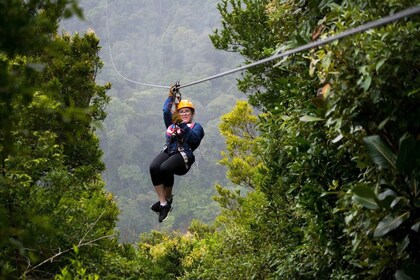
165,166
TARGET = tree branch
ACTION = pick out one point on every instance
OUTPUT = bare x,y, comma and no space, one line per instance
50,259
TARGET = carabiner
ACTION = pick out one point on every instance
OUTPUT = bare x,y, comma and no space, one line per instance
177,93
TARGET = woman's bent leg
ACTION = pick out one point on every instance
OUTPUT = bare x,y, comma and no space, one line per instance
175,164
160,191
155,170
157,179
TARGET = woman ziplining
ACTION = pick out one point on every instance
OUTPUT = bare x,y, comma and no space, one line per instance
182,138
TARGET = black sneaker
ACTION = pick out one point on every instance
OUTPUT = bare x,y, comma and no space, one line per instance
164,211
156,206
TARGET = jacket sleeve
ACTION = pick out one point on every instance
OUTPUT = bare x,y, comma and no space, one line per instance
192,136
167,114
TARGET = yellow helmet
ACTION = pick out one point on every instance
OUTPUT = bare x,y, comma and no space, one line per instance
184,103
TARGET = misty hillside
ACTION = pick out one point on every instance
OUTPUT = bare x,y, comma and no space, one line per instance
158,42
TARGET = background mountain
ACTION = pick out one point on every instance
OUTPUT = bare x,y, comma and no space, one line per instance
158,42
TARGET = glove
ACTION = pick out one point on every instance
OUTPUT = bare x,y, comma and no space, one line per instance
176,118
171,91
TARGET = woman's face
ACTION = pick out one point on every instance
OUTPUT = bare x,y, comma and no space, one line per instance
186,114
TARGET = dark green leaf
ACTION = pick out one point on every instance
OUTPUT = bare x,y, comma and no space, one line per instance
400,275
387,202
414,92
367,82
379,64
365,196
406,159
386,194
380,153
389,223
410,272
383,123
416,227
403,245
310,119
338,138
386,198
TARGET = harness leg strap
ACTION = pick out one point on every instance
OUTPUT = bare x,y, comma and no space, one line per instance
184,155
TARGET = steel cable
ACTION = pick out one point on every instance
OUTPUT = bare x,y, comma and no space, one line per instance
361,28
382,21
113,64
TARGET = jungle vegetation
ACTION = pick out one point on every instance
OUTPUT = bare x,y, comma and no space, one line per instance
320,153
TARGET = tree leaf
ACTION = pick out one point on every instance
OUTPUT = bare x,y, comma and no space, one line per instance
380,153
367,82
387,202
400,275
338,138
365,196
389,223
403,244
379,64
383,123
413,92
417,202
386,193
307,118
416,227
406,159
410,272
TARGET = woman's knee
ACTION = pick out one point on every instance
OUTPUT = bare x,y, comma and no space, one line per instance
154,168
157,162
166,169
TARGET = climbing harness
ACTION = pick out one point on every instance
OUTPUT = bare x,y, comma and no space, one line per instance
181,148
184,156
175,132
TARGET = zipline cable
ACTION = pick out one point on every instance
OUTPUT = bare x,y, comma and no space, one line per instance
361,28
113,64
382,21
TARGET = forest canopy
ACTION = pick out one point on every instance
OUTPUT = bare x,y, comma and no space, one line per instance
323,153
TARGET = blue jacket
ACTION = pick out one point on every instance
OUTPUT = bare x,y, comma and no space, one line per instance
184,136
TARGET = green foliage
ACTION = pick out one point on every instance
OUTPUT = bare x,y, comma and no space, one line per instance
167,253
241,20
370,92
52,195
339,143
331,165
75,271
26,28
242,145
